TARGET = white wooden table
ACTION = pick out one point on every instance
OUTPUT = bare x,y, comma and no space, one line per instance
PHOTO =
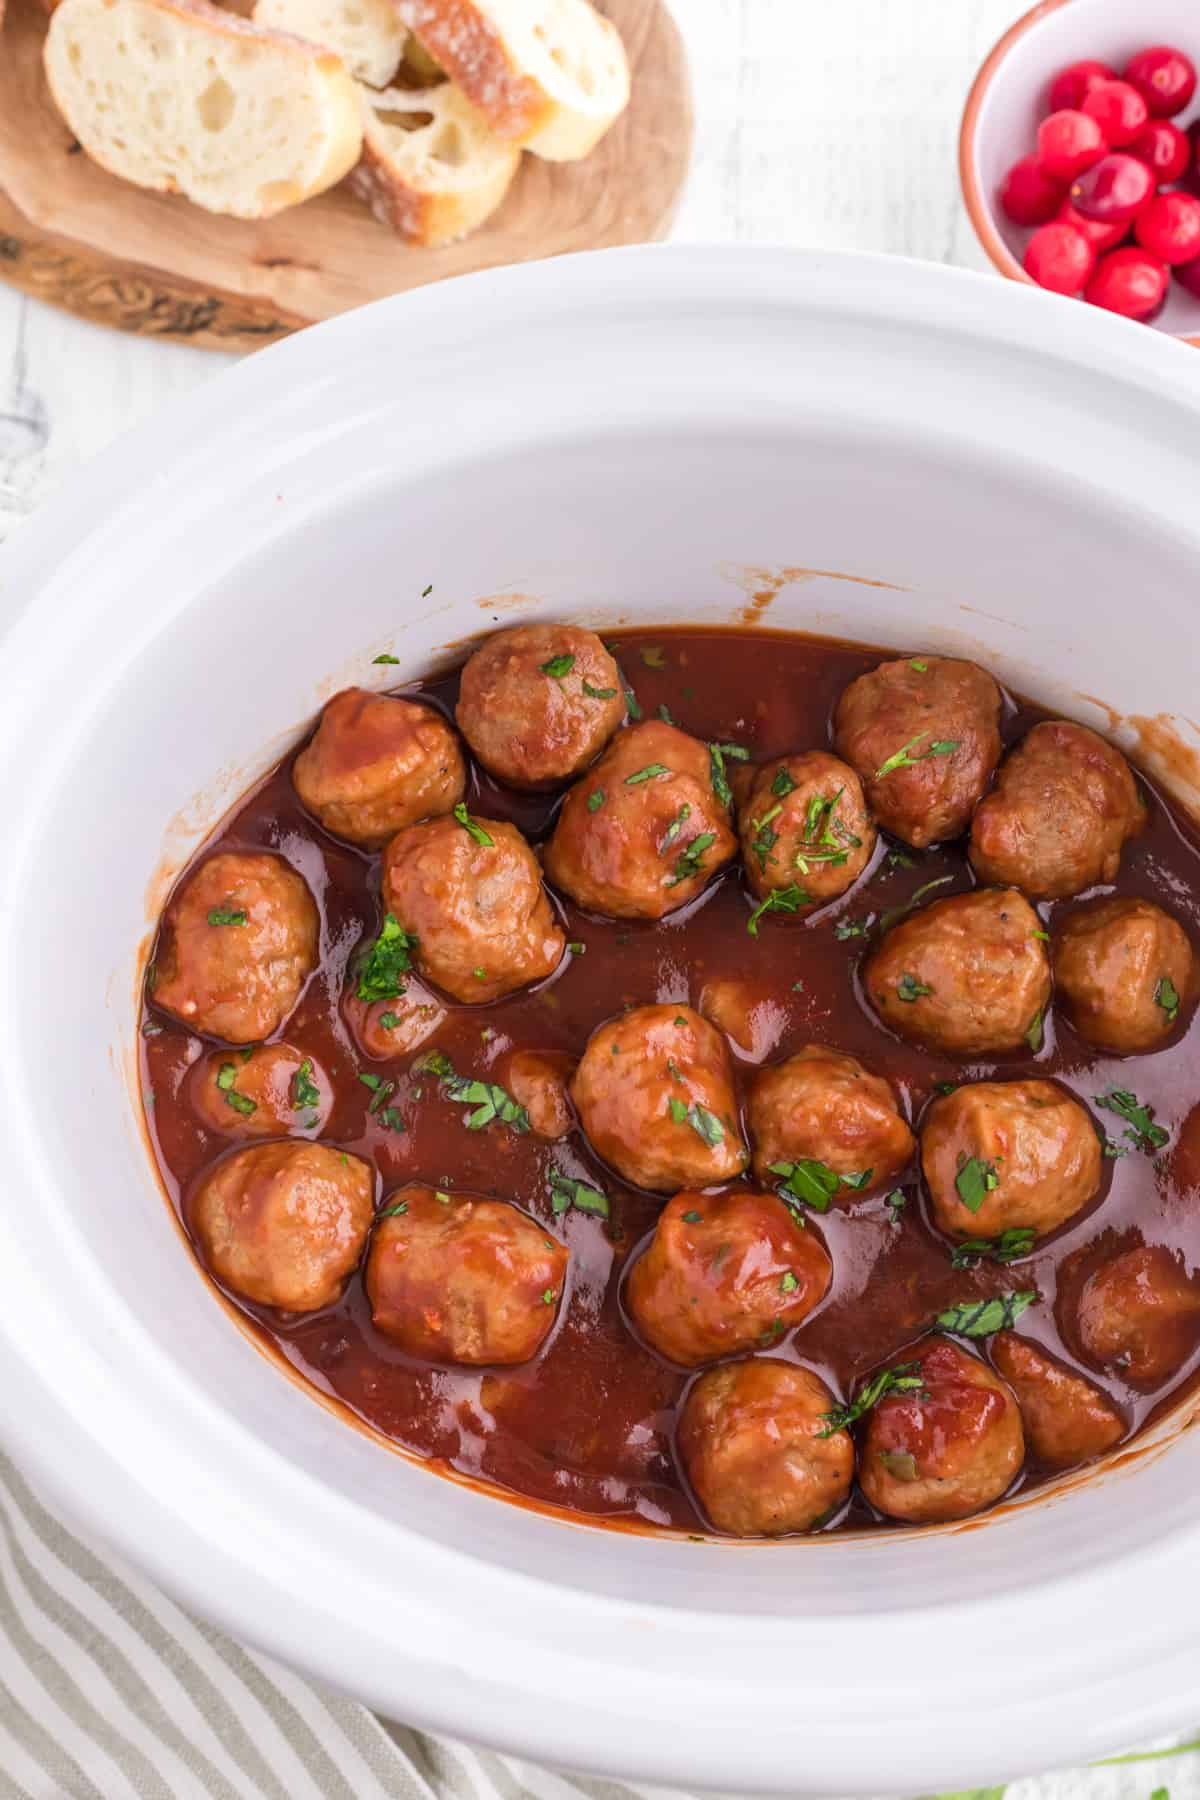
827,123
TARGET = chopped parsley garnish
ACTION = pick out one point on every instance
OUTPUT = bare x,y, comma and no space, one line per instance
849,928
1166,995
489,1101
653,658
387,959
594,693
1112,1151
664,713
900,1464
890,917
979,1318
896,1202
565,1193
305,1091
1044,936
902,760
469,824
680,1020
595,800
1035,1037
765,839
673,1069
688,863
825,837
814,1183
945,1087
1143,1133
858,1182
975,1180
691,1218
788,1284
916,663
389,1117
772,1334
222,915
717,755
900,859
631,703
649,773
557,667
908,989
394,1212
549,1297
389,1020
241,1103
1017,1241
675,827
785,900
903,1378
783,785
577,949
385,659
705,1124
381,1091
426,591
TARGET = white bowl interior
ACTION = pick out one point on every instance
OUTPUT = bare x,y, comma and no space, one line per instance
1016,99
643,437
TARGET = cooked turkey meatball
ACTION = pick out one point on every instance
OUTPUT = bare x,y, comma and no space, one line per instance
1139,1315
654,1093
284,1224
538,1080
471,892
1005,1155
538,703
946,1449
384,1029
455,1279
752,1443
640,835
824,1107
266,1093
1067,1420
1064,803
725,1272
924,735
966,976
752,1014
377,763
804,824
238,942
1124,970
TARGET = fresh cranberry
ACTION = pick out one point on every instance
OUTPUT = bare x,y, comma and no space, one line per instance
1113,190
1072,85
1188,276
1099,235
1059,258
1128,282
1165,78
1028,195
1169,227
1068,143
1164,149
1118,110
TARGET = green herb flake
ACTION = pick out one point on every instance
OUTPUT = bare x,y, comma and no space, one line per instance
718,755
675,827
788,1284
487,1101
389,1020
809,1182
772,1334
902,1378
677,1110
1035,1037
1016,1242
1166,995
849,928
975,1180
631,704
389,1117
469,824
908,989
224,915
557,667
679,1019
916,663
704,1123
566,1192
653,657
901,759
896,1202
549,1297
649,773
305,1091
858,1182
980,1318
595,800
386,960
426,591
691,1218
595,693
1143,1133
577,949
900,859
783,785
765,838
1042,936
689,863
241,1103
394,1212
385,659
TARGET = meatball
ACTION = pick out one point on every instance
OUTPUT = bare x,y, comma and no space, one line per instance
284,1224
966,976
538,1080
821,1106
1185,1158
471,892
377,763
751,1015
654,1092
1063,805
752,1443
261,1093
804,824
1123,970
946,1449
923,733
643,832
1067,1420
725,1272
1139,1315
538,703
385,1029
238,942
1005,1155
454,1279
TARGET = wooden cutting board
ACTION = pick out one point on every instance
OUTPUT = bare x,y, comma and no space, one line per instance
155,264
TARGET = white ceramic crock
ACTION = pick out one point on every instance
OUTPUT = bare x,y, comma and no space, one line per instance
647,435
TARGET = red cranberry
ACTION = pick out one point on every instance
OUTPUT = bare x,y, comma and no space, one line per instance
1068,143
1071,85
1118,110
1059,258
1164,149
1165,78
1188,276
1114,190
1169,227
1028,195
1099,235
1128,282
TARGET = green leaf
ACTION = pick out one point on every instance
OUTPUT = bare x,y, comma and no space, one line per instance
783,785
788,1282
631,704
901,1464
595,800
1166,995
975,1180
565,1192
594,693
1143,1134
386,960
901,759
980,1318
389,1020
649,773
677,1110
675,827
1017,1241
557,667
222,915
908,989
808,1181
393,1212
916,663
902,1378
688,864
849,928
858,1182
469,824
385,659
765,839
488,1101
703,1122
691,1218
1035,1037
896,1202
241,1103
305,1091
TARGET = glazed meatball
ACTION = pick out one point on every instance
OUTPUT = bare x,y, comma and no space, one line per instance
267,1093
966,976
454,1279
823,1107
725,1272
385,1029
538,1080
751,1014
752,1443
1139,1315
1123,971
1005,1155
538,703
1185,1158
238,942
284,1224
923,734
654,1093
944,1450
640,835
472,895
1064,803
1067,1420
804,824
376,764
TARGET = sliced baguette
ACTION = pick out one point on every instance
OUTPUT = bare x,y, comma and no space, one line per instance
181,97
550,75
366,34
432,167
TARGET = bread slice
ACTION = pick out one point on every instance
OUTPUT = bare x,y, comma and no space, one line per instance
366,34
550,75
432,167
179,96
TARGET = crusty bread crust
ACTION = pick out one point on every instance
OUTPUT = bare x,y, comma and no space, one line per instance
460,36
407,190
